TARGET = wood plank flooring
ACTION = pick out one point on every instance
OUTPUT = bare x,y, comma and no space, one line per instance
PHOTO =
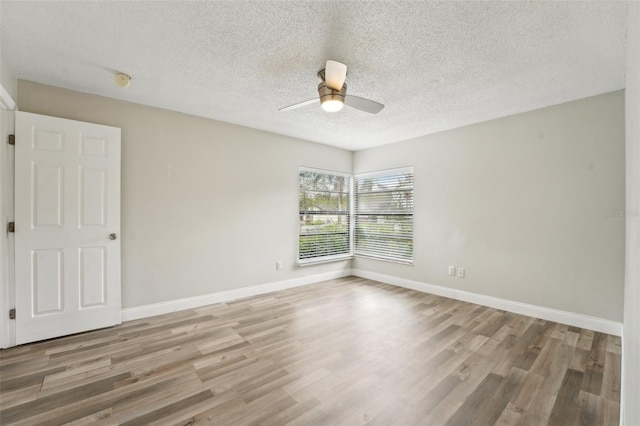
348,351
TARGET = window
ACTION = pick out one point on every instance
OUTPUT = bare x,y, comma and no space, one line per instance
324,205
384,215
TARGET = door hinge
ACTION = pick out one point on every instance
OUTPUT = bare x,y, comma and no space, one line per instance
12,313
11,227
11,139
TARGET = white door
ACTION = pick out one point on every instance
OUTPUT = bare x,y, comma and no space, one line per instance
67,227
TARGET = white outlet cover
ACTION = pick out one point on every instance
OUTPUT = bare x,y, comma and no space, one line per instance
460,272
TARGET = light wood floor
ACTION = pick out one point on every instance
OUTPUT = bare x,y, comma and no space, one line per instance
348,351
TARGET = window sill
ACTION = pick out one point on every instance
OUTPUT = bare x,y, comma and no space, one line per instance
328,259
383,259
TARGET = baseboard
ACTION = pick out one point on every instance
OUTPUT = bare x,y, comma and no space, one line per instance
153,309
564,317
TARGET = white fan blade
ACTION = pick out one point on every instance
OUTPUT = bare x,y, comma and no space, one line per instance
334,74
300,104
366,105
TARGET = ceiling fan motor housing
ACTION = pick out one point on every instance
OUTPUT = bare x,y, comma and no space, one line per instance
326,93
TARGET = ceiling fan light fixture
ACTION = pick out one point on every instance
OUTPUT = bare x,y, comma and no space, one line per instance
330,99
332,105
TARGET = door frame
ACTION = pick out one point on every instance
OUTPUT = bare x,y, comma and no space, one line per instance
7,248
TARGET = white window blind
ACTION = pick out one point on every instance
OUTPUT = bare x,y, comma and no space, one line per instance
324,204
384,215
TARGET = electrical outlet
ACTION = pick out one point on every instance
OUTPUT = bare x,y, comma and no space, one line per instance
460,272
278,265
452,271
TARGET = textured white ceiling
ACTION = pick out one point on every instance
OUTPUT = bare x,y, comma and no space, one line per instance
435,65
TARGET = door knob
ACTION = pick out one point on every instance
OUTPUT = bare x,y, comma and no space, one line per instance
113,236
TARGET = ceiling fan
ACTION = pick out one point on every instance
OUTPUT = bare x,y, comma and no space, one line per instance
332,92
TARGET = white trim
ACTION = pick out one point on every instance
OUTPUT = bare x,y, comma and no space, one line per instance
630,368
326,259
549,314
323,171
7,287
386,172
6,101
145,311
384,259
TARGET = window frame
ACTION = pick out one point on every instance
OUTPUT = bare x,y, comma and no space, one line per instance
381,174
349,215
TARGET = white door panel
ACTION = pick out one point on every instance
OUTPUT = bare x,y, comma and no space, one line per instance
93,277
47,277
67,202
48,194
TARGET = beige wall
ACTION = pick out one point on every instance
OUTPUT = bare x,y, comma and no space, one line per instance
206,206
521,203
